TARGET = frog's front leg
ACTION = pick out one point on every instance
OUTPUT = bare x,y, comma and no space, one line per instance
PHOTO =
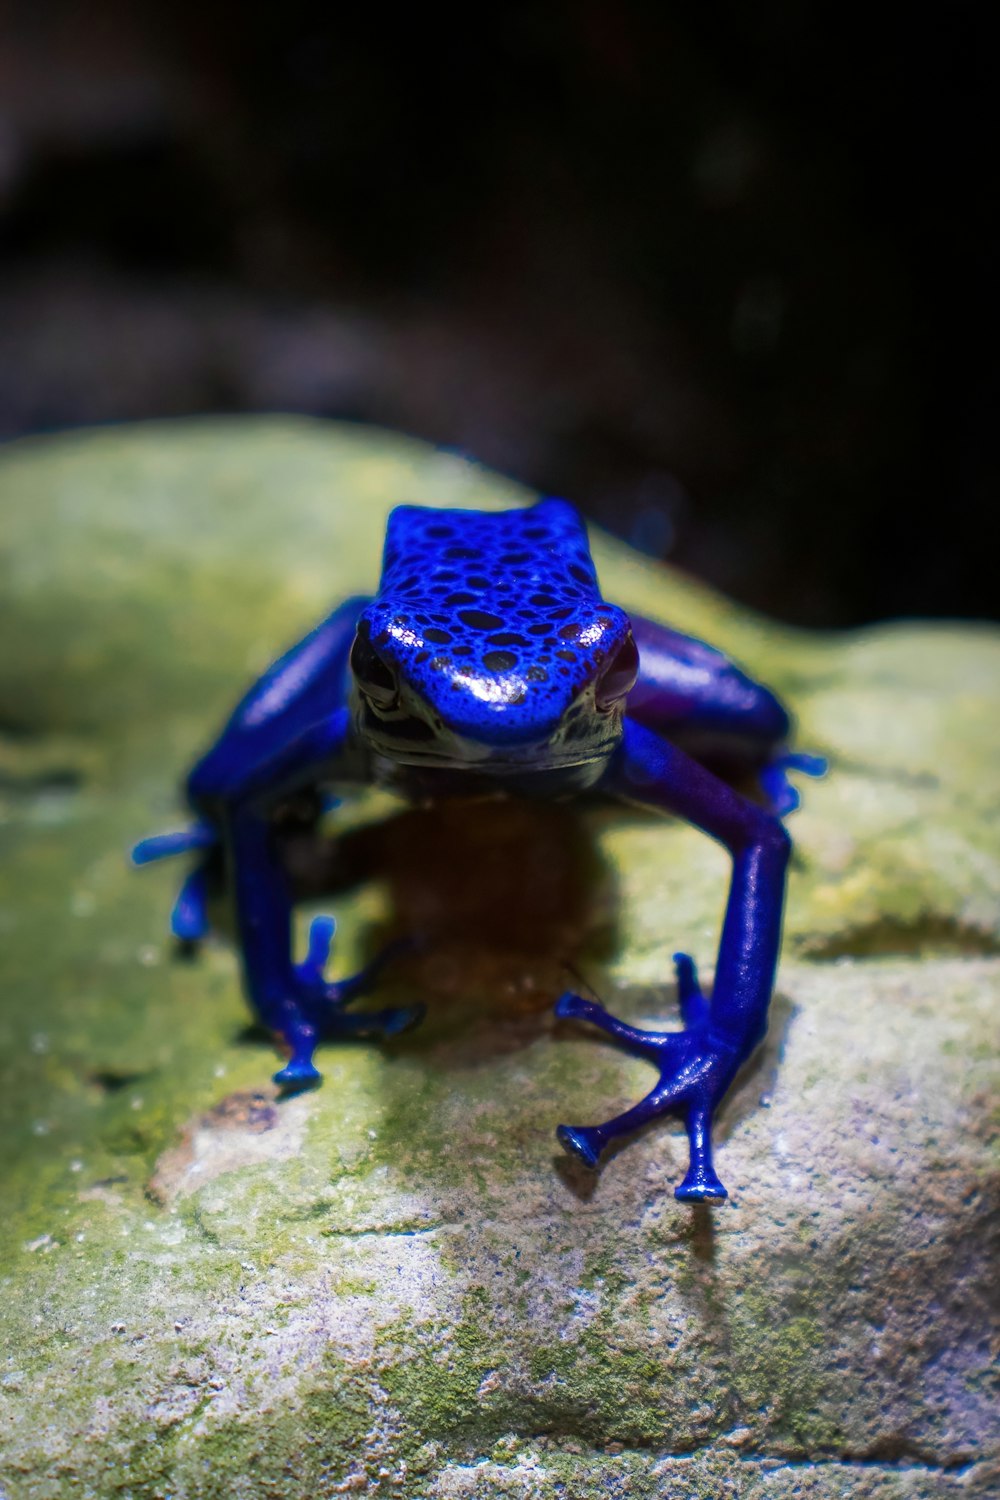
698,1064
294,1000
287,733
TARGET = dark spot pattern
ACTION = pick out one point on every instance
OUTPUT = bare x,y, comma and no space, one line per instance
479,619
473,611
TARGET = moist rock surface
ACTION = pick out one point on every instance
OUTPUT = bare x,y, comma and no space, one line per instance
397,1285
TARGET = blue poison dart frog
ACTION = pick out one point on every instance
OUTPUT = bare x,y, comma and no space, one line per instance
489,662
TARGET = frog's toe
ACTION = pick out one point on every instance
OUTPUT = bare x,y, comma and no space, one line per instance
701,1182
299,1072
395,1020
296,1075
189,918
774,782
166,845
700,1189
570,1007
694,1006
341,992
654,1045
321,931
400,1018
581,1141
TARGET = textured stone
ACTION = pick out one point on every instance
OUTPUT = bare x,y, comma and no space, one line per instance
398,1285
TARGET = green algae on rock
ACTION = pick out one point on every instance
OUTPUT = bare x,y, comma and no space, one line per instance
397,1285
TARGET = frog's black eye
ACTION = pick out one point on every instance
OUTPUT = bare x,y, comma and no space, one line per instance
374,677
618,678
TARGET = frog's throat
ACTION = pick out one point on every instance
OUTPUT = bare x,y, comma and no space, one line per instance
460,754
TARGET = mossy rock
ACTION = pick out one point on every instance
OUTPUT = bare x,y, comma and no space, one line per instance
397,1285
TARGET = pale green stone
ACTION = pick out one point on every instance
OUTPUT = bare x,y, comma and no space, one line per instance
397,1285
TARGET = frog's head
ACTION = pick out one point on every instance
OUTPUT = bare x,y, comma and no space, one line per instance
489,646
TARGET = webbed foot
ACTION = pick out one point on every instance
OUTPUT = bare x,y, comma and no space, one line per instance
781,795
695,1071
317,1012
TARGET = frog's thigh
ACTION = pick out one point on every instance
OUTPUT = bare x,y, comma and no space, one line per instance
700,700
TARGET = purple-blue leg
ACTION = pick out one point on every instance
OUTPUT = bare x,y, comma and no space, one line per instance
290,732
698,1064
702,702
294,1000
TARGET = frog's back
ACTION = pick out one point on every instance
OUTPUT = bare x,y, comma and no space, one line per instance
535,560
509,588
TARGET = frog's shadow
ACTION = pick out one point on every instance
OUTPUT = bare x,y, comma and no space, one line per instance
505,903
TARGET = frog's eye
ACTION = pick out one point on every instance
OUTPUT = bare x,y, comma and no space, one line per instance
374,677
618,678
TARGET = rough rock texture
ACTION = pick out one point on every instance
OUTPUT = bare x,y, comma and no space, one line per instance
397,1285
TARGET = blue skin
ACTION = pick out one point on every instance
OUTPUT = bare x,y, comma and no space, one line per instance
489,661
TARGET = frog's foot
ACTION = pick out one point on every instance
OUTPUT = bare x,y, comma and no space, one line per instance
781,795
189,917
695,1072
318,1012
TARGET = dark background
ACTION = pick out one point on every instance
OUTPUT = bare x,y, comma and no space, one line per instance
718,273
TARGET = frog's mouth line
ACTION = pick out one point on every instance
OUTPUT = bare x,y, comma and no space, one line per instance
448,751
488,761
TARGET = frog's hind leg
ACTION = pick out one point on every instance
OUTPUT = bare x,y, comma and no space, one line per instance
698,1065
702,702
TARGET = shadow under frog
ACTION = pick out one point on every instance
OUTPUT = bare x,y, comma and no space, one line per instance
506,903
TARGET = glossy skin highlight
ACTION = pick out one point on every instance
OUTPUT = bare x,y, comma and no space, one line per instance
488,660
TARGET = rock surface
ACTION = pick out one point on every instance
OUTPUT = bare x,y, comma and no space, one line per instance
397,1285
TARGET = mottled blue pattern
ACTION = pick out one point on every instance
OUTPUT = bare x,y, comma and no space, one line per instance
495,624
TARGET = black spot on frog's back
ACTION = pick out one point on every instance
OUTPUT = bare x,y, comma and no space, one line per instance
479,619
